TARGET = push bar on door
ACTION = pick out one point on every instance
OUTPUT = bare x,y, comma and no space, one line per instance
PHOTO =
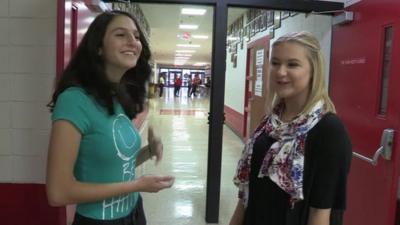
385,149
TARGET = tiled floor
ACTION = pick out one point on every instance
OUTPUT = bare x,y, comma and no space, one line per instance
182,123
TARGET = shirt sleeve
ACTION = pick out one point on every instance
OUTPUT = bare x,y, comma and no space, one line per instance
72,106
333,157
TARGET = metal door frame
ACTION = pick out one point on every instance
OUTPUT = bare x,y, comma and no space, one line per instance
216,115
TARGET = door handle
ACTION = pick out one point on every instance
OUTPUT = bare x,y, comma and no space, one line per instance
385,149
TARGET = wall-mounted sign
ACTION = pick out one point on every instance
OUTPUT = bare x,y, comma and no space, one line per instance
348,3
259,72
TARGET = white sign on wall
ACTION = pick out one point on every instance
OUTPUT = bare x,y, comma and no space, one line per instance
260,57
348,3
258,88
259,72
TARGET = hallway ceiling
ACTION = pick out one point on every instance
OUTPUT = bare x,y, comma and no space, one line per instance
164,20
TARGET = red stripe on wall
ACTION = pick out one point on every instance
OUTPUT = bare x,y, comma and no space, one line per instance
27,204
234,120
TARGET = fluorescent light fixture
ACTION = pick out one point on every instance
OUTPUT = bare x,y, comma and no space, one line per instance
179,62
181,59
188,26
185,51
200,64
200,36
193,11
184,55
188,46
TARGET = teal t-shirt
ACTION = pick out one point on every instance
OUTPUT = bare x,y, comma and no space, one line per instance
107,151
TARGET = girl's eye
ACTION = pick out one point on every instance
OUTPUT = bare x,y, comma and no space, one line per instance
274,63
293,64
120,35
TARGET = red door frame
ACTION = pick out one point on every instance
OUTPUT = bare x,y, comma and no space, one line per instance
247,92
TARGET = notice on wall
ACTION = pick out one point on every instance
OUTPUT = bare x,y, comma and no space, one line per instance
259,73
260,57
258,86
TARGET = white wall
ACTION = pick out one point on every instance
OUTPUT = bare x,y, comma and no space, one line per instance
27,71
235,77
235,80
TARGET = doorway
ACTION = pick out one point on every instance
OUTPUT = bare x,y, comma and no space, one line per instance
216,118
256,84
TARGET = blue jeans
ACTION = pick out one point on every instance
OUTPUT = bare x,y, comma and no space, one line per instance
136,217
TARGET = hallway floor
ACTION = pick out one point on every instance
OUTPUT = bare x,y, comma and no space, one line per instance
182,124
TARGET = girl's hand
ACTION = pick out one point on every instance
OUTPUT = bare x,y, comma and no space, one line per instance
154,183
155,145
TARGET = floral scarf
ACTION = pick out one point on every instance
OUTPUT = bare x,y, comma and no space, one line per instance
284,161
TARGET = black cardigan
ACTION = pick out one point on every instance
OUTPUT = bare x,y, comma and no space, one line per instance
326,165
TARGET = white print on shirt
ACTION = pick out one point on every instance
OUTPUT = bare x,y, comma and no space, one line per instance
125,138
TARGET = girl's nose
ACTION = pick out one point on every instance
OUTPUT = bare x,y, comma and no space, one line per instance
131,39
281,70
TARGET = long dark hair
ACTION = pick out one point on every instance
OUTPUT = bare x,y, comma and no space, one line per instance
86,69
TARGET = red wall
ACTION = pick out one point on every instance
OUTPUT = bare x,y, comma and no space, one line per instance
27,204
234,120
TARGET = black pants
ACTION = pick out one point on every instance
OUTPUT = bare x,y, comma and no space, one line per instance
161,86
177,90
193,91
136,217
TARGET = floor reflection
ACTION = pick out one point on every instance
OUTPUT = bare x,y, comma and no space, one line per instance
182,123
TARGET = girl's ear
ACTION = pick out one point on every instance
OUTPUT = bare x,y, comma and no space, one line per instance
100,52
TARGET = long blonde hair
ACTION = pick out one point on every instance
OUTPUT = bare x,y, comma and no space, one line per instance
318,90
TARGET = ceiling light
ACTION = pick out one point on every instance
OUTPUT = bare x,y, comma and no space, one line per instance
200,36
200,64
184,55
185,51
179,62
188,46
188,26
193,11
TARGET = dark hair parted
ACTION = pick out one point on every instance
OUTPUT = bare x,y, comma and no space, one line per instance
86,69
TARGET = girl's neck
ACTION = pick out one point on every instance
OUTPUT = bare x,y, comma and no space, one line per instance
114,75
290,110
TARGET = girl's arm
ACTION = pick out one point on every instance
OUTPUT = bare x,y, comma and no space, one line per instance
61,185
154,148
238,215
319,216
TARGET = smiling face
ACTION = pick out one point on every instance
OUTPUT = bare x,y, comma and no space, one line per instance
290,72
121,47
